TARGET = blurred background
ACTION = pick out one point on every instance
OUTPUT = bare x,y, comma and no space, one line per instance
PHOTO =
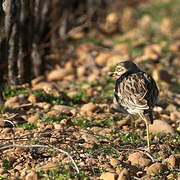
66,40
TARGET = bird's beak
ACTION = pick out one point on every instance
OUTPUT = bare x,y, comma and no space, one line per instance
112,74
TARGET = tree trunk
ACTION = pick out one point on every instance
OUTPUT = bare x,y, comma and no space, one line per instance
25,24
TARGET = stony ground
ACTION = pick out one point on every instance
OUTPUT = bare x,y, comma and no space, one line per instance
71,110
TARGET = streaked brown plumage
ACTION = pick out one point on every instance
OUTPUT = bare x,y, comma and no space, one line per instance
135,92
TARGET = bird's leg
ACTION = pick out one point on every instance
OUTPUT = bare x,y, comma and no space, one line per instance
147,131
148,139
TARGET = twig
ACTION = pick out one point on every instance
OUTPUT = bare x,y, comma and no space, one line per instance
41,146
10,122
5,120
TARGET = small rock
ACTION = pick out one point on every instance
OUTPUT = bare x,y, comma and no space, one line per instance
43,105
37,80
89,138
57,126
124,175
145,22
12,102
164,117
166,26
1,171
114,162
59,74
81,70
31,176
127,19
2,122
152,51
175,46
154,168
138,158
88,108
175,116
62,108
112,17
101,59
57,109
122,122
171,108
22,98
170,176
108,176
33,118
32,98
53,113
121,49
48,87
174,161
161,126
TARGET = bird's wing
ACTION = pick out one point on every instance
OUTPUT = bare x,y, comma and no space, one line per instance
136,90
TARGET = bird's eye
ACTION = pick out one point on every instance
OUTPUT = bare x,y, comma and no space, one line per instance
119,69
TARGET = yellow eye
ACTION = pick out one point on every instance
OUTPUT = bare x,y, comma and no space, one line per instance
119,69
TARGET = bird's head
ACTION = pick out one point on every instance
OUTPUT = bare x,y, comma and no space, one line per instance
123,67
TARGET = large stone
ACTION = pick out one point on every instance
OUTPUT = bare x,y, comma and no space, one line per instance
138,159
160,126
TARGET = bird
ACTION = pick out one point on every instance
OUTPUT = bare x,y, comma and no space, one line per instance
135,92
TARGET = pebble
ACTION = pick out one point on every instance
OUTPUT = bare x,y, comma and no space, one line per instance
114,162
32,98
161,126
62,108
58,74
33,118
138,159
108,176
174,161
171,108
175,116
88,109
124,175
101,59
31,176
12,102
154,168
2,122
